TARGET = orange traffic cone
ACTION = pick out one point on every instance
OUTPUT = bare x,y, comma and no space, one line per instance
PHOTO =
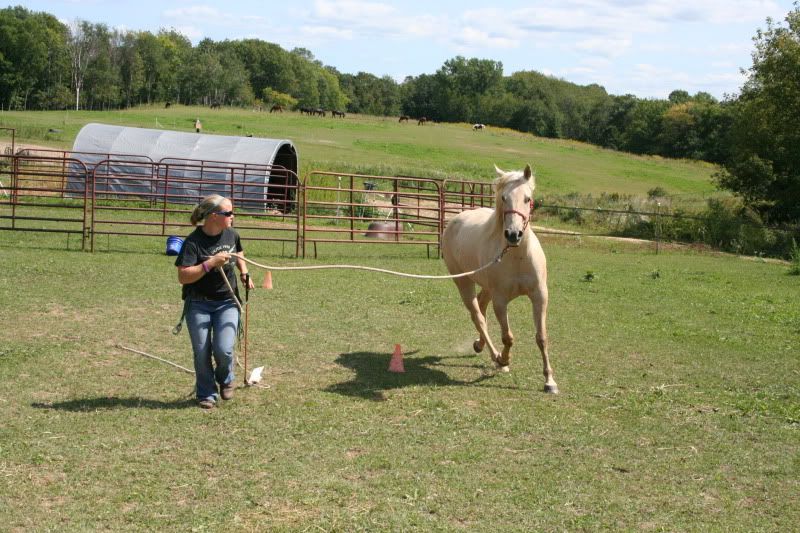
267,281
396,364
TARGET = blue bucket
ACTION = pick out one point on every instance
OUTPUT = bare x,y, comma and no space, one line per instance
174,245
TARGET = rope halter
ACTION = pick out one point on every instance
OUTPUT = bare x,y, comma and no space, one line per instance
525,219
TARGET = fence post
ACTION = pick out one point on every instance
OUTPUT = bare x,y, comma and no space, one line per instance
658,225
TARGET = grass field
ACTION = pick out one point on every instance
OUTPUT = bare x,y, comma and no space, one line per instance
381,145
679,407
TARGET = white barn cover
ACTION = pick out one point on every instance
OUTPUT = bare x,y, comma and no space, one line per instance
184,154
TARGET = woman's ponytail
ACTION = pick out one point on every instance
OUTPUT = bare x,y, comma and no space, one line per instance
206,206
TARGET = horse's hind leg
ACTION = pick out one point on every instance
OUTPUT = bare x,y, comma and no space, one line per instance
539,301
483,302
467,290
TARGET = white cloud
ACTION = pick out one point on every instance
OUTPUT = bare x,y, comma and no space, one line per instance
470,37
190,32
203,15
326,32
608,47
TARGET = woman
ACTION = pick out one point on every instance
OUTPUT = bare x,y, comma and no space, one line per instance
212,315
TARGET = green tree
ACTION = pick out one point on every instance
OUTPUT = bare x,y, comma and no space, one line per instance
83,43
371,95
33,60
131,68
461,83
418,96
764,166
267,64
175,50
102,80
644,127
272,96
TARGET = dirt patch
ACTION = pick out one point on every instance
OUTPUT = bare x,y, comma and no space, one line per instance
5,147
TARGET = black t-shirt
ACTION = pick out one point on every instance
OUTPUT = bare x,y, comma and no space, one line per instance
198,247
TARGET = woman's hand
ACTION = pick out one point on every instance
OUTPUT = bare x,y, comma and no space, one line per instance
218,260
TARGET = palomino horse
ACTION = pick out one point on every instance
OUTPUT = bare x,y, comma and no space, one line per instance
474,238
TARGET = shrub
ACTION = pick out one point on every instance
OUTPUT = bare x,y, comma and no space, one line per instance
794,257
656,193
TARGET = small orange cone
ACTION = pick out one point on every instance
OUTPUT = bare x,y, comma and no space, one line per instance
267,281
396,364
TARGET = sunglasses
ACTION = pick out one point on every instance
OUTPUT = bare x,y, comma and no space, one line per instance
224,213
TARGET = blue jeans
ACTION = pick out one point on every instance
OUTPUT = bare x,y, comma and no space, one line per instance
212,329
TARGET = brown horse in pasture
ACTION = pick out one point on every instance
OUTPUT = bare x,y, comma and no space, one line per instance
335,113
277,108
404,118
422,121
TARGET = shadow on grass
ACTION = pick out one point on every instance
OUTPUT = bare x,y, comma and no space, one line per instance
372,377
113,403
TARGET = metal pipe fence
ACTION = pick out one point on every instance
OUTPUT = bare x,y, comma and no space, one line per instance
134,196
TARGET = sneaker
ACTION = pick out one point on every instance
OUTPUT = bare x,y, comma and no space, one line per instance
206,404
226,391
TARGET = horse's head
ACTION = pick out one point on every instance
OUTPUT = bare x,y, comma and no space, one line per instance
514,202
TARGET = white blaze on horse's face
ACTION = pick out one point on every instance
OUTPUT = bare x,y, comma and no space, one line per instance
515,191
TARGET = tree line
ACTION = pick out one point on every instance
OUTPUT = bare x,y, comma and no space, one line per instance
45,64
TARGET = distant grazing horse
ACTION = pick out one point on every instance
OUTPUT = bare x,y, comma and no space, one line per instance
476,127
166,106
215,105
336,113
422,121
475,238
404,118
276,108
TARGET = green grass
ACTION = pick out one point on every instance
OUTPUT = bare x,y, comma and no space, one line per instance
679,411
382,146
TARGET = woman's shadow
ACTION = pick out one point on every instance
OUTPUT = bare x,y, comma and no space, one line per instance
372,377
111,403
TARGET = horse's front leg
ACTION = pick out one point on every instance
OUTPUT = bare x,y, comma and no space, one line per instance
484,297
467,290
501,312
539,301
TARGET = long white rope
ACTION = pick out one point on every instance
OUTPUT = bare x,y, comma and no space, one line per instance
372,269
188,371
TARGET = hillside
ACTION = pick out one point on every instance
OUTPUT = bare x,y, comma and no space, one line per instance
382,145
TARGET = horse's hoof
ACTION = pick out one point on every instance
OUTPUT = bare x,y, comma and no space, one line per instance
477,346
551,389
504,368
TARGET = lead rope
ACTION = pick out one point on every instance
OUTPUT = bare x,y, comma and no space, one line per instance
372,269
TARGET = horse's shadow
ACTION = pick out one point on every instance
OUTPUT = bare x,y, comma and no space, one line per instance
372,379
111,403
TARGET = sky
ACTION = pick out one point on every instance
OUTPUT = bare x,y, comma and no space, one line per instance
647,48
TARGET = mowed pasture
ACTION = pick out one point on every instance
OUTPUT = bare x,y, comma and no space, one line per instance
679,407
